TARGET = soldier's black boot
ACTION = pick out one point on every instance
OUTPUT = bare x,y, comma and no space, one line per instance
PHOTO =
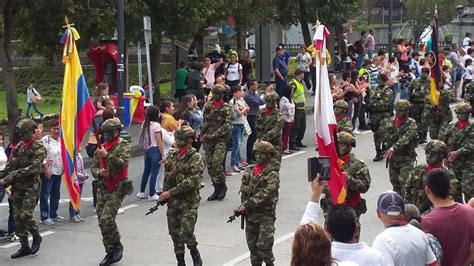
117,253
197,261
222,191
37,239
378,156
214,194
180,259
24,250
269,264
108,259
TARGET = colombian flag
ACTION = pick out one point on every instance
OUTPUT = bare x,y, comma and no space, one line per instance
76,114
324,118
435,65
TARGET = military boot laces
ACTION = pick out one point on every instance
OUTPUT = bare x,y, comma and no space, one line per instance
23,251
35,245
117,253
222,191
213,196
197,261
180,259
108,259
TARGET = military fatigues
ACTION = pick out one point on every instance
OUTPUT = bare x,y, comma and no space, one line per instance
403,140
111,191
218,122
183,181
358,183
259,196
269,128
22,173
462,140
469,96
418,90
344,125
380,100
438,117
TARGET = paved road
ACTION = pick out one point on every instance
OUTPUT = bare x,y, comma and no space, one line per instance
146,239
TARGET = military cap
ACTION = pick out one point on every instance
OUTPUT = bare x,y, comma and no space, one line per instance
271,97
25,125
436,146
111,124
218,88
402,105
346,138
264,146
185,132
341,104
462,108
412,212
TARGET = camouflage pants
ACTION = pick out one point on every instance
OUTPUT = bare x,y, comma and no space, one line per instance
376,120
436,128
399,169
106,209
181,223
24,203
417,114
465,177
276,160
215,153
259,233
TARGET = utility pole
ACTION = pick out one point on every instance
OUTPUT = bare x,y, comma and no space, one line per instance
147,31
121,66
390,28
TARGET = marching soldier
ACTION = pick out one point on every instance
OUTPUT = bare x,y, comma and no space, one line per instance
439,116
380,100
401,136
216,132
110,168
259,195
356,173
459,137
22,173
269,126
184,168
436,151
417,92
344,124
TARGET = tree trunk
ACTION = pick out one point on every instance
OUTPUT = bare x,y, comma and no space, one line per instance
304,23
155,71
240,40
198,40
5,62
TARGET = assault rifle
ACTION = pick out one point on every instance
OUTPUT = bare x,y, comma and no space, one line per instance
155,208
235,215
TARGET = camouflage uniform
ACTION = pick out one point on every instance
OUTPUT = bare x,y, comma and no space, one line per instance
462,142
183,180
22,173
357,180
403,140
418,90
438,117
269,128
218,123
111,190
469,96
259,195
344,124
380,100
435,151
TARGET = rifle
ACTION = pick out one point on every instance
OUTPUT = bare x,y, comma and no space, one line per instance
155,208
235,215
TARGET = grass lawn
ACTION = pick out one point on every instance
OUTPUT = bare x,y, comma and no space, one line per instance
51,104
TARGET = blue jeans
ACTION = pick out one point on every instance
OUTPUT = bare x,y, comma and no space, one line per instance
370,53
237,135
73,212
360,60
50,190
29,105
281,85
152,165
403,93
394,97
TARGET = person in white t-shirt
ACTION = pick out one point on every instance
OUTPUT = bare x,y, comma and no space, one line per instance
233,72
3,155
401,242
466,42
168,142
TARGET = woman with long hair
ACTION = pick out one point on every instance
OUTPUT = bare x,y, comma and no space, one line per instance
169,122
311,246
152,142
189,111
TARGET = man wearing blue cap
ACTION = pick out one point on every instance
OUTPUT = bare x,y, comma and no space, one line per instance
400,242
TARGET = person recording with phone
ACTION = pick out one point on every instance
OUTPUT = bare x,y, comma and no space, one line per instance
357,177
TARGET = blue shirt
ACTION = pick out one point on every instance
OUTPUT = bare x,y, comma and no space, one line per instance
253,101
279,62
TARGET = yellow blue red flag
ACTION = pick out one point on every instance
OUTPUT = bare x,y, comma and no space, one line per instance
77,112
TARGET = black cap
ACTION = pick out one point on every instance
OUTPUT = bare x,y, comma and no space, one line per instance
298,71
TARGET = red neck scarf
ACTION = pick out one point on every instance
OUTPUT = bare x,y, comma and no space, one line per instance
109,145
463,124
399,121
267,111
218,103
183,150
346,158
258,169
339,117
433,166
27,143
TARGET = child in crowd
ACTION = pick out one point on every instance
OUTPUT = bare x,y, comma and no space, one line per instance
446,77
287,109
467,76
406,77
81,176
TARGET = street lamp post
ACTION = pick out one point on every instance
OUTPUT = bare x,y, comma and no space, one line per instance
390,28
121,66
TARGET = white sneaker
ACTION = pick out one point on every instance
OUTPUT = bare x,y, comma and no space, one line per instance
141,195
153,198
355,131
59,219
47,222
120,211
